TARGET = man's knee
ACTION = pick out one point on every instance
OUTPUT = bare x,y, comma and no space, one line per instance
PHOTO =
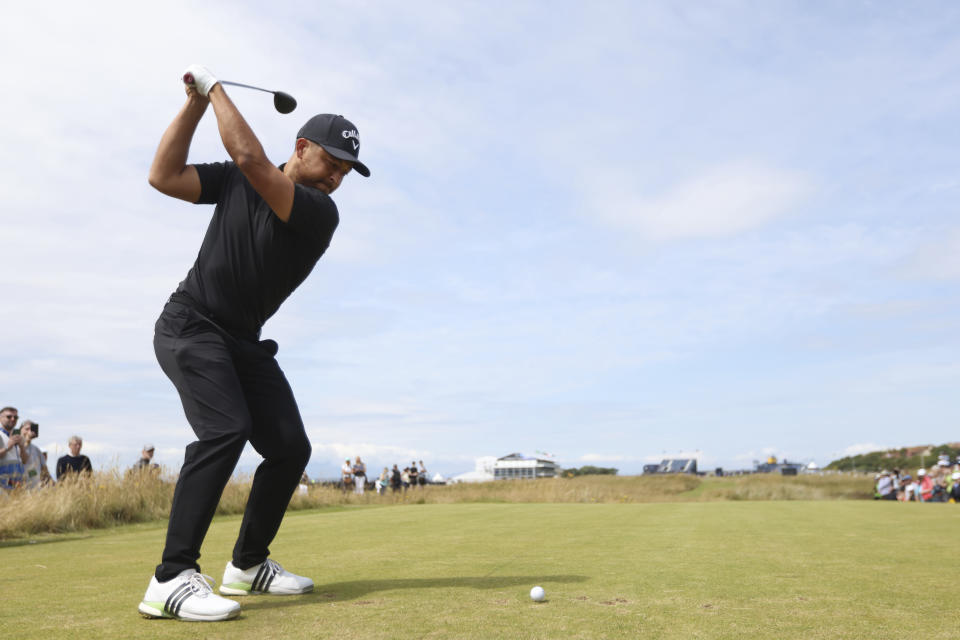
223,443
306,452
300,453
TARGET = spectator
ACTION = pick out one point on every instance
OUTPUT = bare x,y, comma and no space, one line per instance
12,454
73,462
146,459
359,476
304,486
46,478
383,481
396,479
405,478
955,489
924,486
885,487
423,474
907,494
346,475
414,475
939,490
35,470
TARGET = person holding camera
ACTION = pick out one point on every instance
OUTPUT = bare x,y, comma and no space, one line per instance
13,454
35,470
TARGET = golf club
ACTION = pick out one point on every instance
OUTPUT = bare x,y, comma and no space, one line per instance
284,102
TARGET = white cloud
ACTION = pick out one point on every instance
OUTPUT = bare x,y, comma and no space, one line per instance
366,450
721,201
861,448
938,258
606,457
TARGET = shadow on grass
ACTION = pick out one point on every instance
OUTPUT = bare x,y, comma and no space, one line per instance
22,542
351,590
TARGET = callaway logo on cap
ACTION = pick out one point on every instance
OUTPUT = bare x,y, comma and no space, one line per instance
337,136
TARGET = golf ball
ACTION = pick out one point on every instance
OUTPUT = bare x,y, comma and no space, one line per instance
537,594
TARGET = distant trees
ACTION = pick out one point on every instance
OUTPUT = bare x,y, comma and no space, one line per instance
589,470
893,459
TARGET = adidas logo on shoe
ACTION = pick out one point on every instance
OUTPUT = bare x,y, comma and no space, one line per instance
268,577
189,596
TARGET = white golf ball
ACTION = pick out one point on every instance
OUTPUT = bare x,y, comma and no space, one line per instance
537,594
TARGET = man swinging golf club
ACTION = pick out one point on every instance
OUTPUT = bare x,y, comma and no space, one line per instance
269,227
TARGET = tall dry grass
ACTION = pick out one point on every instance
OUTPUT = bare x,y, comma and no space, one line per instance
112,498
764,486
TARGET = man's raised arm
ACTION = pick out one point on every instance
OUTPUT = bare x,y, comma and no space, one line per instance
170,173
244,148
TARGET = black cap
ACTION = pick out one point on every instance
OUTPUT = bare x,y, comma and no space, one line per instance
337,136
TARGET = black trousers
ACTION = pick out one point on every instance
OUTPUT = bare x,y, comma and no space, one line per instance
233,391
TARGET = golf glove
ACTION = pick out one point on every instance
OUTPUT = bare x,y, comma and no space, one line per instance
203,80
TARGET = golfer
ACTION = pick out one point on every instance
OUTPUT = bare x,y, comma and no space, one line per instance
270,225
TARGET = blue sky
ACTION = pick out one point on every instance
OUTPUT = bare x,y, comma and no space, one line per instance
612,231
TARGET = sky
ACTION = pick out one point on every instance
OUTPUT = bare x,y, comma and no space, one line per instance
612,232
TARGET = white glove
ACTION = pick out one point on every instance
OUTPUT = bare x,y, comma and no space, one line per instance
199,77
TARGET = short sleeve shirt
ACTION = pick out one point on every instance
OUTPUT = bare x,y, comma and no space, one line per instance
13,455
251,260
11,468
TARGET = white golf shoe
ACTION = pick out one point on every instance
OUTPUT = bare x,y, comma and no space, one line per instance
189,596
266,577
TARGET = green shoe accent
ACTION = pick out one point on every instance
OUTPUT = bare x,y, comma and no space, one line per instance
154,609
239,586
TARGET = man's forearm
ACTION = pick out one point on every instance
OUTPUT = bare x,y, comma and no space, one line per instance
237,136
171,156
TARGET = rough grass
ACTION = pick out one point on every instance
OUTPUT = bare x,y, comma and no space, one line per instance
714,569
112,498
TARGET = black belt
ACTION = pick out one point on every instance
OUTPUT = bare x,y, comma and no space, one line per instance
184,298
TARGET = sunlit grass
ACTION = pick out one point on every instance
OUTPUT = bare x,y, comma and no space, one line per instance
685,569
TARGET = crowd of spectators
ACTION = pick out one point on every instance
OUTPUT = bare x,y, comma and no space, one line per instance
24,465
940,483
22,462
354,477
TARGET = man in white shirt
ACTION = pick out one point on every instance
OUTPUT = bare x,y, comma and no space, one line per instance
12,454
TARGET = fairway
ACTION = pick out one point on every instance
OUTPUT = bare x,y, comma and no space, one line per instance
696,570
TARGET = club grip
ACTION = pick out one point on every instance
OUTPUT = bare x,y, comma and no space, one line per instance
188,78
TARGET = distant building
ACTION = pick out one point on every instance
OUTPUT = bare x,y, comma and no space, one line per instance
672,465
512,467
516,467
773,466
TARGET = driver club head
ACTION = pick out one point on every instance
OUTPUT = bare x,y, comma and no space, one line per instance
284,102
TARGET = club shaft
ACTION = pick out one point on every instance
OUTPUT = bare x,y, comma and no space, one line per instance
246,86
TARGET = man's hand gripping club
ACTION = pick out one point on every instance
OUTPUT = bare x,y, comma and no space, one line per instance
200,78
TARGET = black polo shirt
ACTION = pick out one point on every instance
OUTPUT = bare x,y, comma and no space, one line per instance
250,260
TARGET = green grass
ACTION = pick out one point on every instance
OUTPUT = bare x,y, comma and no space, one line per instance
734,569
115,498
